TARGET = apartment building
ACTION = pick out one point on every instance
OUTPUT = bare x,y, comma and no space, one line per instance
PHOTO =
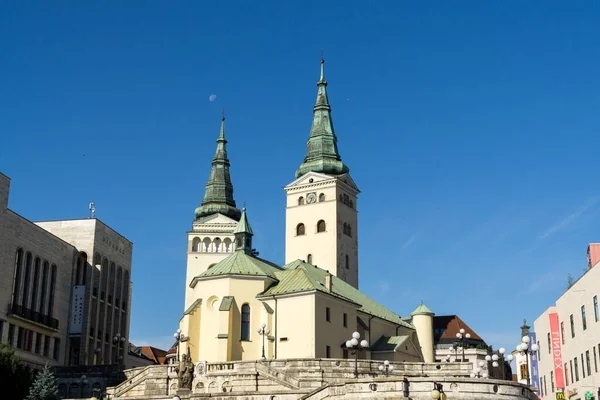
65,290
568,334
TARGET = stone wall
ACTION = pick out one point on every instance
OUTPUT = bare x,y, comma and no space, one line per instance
314,379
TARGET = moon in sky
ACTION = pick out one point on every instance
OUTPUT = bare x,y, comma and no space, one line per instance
212,97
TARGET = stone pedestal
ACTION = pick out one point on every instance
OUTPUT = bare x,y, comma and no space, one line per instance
184,393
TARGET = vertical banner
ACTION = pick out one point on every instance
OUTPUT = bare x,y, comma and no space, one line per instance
535,376
77,309
559,373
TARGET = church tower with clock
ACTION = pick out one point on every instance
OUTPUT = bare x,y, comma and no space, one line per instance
321,210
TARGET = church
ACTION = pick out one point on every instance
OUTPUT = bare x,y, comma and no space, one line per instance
239,306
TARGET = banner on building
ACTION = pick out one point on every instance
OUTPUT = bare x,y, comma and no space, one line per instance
535,376
559,373
77,302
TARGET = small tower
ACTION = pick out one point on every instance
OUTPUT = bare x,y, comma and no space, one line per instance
243,234
422,319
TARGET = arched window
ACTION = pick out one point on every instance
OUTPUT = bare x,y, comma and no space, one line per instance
309,258
245,322
349,230
321,197
43,303
300,229
18,273
301,201
321,226
345,229
36,283
206,245
196,244
227,245
347,262
52,290
217,243
28,263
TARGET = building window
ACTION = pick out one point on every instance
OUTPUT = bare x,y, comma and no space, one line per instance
36,283
327,351
327,314
18,272
11,334
2,331
588,362
539,353
309,258
300,201
349,230
347,262
524,372
56,348
321,197
46,346
572,326
596,316
20,335
567,374
346,323
245,322
583,319
196,244
549,344
582,367
562,332
545,388
595,360
28,262
38,343
45,272
321,226
52,290
552,381
571,364
542,385
300,229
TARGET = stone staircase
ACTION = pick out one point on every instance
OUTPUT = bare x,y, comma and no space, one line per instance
278,376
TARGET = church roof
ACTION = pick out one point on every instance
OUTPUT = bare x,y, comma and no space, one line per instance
240,263
299,276
243,226
218,197
322,153
388,343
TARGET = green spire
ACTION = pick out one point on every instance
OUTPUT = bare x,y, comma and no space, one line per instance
322,153
243,234
218,197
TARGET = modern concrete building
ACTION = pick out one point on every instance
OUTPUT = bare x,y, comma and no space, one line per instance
568,334
66,292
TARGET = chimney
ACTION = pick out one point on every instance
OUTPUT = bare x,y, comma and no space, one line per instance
328,280
593,253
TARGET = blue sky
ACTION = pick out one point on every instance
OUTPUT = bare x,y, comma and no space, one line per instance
470,127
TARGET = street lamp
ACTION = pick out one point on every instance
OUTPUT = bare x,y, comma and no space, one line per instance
526,350
179,337
355,346
83,380
386,367
461,336
481,371
263,331
497,360
119,341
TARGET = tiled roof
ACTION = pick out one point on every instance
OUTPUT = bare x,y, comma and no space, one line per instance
157,355
446,327
240,263
299,276
388,343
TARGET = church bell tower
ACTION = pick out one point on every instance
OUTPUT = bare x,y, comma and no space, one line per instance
321,211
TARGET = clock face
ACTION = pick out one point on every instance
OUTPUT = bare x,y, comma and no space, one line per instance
311,197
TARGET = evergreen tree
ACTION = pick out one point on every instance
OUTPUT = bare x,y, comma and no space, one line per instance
15,377
44,386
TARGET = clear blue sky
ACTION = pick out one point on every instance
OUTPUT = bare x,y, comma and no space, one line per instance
470,127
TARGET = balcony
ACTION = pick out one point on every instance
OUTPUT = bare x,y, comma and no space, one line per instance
33,316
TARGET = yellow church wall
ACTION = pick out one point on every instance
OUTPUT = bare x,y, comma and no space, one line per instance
295,325
194,326
333,333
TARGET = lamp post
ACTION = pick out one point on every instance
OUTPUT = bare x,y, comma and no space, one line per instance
119,341
386,368
497,360
83,381
179,337
263,331
526,350
355,346
461,336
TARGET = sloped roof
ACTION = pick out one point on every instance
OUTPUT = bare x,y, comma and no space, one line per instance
388,343
445,328
157,355
299,276
240,263
422,309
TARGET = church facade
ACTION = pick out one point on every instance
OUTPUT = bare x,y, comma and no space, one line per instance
239,306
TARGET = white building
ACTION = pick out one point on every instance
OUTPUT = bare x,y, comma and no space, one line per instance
570,349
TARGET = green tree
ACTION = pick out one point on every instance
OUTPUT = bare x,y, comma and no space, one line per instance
570,281
15,377
44,386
